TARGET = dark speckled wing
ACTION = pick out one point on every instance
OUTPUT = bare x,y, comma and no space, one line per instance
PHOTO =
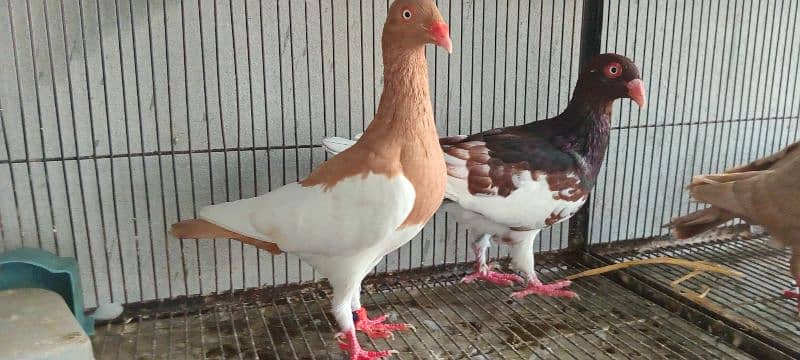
490,160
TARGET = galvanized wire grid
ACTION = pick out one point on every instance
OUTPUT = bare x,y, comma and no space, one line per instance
756,302
721,79
453,321
122,117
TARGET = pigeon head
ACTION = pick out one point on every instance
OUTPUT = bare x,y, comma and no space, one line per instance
608,77
414,23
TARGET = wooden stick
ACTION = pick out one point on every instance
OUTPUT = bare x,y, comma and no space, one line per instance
697,266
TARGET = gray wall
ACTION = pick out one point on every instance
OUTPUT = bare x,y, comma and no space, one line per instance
114,129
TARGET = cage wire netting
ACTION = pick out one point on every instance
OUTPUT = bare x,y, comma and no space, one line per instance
121,117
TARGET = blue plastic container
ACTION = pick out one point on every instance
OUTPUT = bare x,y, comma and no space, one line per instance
35,268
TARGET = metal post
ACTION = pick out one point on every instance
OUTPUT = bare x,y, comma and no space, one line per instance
591,31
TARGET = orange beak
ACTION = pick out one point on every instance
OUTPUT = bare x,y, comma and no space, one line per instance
636,92
440,33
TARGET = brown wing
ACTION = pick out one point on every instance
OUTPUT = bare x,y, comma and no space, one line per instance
471,161
490,160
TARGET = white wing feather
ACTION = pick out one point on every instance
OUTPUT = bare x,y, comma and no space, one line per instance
355,214
334,145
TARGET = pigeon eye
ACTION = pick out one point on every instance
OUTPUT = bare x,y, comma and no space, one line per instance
407,14
613,70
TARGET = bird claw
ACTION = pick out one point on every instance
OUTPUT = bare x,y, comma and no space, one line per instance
555,289
352,347
375,328
493,277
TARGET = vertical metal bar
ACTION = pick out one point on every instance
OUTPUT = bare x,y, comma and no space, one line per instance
294,121
128,150
753,82
189,143
266,118
22,125
591,32
675,111
283,118
726,96
719,140
606,45
789,101
650,206
322,74
142,146
240,245
77,164
94,139
114,201
620,180
167,237
68,193
637,129
208,137
767,47
222,134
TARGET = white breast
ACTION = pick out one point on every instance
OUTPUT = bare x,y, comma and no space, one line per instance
530,205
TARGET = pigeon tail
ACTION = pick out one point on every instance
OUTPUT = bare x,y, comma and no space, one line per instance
202,229
698,222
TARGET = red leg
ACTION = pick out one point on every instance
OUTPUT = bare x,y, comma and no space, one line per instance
536,287
483,272
351,346
794,293
375,328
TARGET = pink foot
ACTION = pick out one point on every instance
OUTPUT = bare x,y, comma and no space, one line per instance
375,328
793,294
555,289
351,346
493,277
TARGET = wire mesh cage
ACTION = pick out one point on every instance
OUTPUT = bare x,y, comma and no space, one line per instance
121,117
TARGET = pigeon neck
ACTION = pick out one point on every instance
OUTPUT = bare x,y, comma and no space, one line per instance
405,105
589,126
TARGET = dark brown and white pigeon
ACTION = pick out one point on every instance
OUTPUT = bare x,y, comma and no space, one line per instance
508,184
765,192
365,202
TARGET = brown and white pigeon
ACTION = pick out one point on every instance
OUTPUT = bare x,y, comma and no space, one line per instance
508,184
365,202
765,192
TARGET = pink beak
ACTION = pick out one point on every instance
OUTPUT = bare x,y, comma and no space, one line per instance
636,92
441,36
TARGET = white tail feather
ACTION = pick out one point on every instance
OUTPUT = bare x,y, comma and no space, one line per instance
334,145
